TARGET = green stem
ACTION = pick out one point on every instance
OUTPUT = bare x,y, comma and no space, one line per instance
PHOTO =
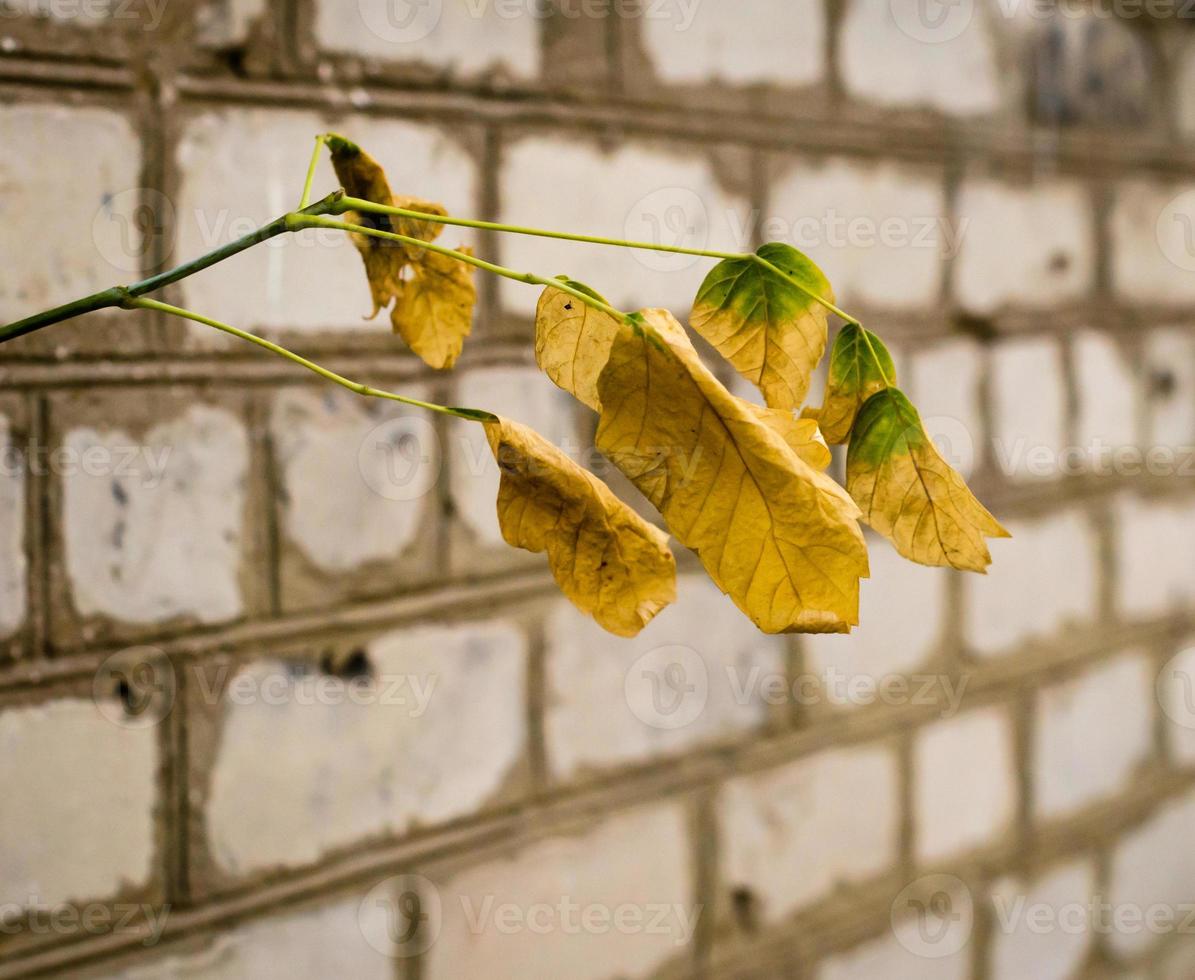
358,204
889,382
315,157
524,277
472,414
119,295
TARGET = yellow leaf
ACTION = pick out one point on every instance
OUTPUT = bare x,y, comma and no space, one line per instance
610,562
434,311
802,435
909,493
572,342
770,329
429,289
776,535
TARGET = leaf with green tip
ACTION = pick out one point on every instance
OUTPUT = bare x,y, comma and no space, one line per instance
767,323
910,494
860,365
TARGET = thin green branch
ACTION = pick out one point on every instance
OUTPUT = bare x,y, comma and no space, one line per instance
525,277
472,414
315,158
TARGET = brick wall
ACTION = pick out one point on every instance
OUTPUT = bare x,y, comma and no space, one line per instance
275,701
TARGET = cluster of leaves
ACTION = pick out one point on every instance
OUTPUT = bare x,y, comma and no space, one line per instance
743,486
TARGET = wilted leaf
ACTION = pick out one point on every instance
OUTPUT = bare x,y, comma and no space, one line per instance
770,330
776,535
802,435
422,282
860,365
610,562
909,493
572,341
434,311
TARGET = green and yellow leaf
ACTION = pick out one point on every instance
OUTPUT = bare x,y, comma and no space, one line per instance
775,534
860,365
610,562
419,281
910,494
434,311
572,341
769,328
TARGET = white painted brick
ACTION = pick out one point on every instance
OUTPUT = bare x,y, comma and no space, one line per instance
434,737
461,35
13,565
79,796
612,700
1047,572
358,475
1024,246
1153,865
965,788
945,389
1018,949
1108,399
1170,354
636,192
889,958
1185,87
314,944
793,834
89,239
160,536
1154,542
891,57
226,23
1176,695
244,167
751,41
523,394
634,869
877,231
1091,735
901,609
1029,405
1153,242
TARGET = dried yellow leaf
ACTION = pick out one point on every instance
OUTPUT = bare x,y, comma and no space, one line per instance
910,494
610,562
434,310
801,434
572,342
775,534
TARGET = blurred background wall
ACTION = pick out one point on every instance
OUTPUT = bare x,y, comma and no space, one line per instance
276,701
